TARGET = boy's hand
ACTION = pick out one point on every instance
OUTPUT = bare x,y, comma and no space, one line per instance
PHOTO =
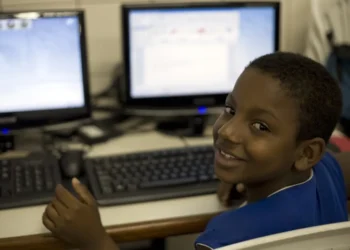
75,221
228,192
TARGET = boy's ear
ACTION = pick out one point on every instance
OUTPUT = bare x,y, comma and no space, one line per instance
310,153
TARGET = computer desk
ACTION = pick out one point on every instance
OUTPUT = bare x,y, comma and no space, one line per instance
21,228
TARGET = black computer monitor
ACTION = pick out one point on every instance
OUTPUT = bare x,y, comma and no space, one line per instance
189,55
43,68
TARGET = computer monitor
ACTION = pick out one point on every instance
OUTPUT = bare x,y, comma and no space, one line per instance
43,68
190,55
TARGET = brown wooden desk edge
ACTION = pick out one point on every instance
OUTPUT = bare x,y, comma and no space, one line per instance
122,233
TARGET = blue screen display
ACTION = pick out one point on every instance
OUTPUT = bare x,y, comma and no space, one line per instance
40,64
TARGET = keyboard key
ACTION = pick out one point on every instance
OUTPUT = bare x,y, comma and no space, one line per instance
167,183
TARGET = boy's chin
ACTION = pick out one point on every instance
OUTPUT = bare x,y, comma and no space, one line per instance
227,177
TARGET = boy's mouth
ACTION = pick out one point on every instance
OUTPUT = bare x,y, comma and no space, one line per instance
227,155
227,160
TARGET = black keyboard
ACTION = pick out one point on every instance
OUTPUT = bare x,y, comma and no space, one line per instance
113,180
28,181
152,175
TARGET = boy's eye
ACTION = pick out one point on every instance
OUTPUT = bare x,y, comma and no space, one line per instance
260,126
229,110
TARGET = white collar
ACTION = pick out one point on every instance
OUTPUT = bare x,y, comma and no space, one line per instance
298,184
282,189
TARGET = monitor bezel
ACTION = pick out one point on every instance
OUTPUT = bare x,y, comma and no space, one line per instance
211,100
27,119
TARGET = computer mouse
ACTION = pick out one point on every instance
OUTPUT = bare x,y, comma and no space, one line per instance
71,163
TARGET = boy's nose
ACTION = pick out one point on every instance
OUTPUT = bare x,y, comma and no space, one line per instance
231,131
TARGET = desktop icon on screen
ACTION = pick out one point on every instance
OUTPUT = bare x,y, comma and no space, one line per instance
11,24
24,24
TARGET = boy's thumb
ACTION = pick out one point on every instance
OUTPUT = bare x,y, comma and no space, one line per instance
82,191
240,187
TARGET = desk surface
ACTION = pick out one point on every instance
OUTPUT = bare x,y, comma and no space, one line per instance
126,222
21,228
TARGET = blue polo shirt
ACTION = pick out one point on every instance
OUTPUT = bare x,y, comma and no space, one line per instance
320,200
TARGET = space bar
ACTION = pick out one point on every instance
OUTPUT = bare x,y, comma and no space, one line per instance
167,183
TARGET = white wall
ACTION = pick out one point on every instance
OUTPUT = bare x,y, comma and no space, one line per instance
103,29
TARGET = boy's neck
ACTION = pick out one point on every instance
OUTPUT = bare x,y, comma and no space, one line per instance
263,190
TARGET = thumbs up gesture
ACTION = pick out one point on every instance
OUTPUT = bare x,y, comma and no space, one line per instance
75,221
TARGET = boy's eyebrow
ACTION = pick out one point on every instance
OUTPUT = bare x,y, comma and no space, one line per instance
256,110
260,111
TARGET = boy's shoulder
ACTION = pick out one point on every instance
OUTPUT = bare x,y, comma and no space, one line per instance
331,189
317,201
259,219
329,168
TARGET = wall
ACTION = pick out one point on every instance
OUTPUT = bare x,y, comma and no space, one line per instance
103,29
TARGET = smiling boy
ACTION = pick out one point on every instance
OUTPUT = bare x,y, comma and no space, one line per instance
272,138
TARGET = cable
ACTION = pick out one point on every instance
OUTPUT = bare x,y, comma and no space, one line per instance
114,87
184,140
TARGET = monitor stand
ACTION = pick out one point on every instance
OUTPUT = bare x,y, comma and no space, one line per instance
189,126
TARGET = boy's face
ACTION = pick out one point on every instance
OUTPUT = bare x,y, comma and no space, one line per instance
255,137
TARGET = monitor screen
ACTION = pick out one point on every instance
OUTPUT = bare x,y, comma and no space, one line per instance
40,64
43,68
200,51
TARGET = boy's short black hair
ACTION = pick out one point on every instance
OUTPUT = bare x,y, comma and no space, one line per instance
317,93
